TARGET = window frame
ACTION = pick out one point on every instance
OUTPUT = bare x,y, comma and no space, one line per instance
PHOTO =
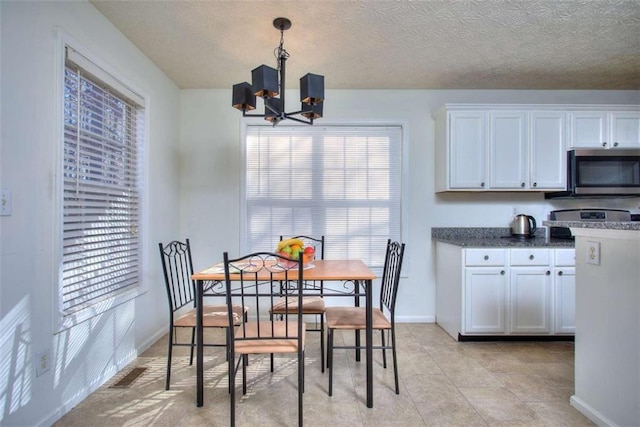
404,175
61,320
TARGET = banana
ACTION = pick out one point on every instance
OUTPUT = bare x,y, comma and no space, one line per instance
288,242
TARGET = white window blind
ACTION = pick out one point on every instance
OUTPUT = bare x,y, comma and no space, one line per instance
343,182
101,170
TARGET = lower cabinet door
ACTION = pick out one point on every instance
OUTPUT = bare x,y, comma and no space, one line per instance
530,300
565,300
485,300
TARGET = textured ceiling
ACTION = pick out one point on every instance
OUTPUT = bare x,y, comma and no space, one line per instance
360,44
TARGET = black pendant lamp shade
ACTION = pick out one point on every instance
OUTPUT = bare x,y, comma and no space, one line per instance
265,81
312,89
269,84
273,109
243,97
311,111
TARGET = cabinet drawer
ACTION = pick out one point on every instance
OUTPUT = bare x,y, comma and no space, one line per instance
485,257
530,256
565,257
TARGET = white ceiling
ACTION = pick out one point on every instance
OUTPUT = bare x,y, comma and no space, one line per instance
366,44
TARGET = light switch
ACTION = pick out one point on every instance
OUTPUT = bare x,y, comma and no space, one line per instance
593,253
5,202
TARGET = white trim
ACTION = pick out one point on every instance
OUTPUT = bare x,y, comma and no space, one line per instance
591,413
60,322
415,319
90,66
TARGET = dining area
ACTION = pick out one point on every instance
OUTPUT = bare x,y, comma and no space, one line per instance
220,375
263,307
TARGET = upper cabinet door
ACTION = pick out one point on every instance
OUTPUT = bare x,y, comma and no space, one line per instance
508,150
467,150
625,129
589,129
547,150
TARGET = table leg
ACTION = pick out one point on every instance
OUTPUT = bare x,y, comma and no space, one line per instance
199,346
357,304
369,338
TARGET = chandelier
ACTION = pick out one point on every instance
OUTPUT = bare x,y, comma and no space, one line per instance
269,84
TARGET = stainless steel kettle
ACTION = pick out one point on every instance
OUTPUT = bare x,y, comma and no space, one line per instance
523,226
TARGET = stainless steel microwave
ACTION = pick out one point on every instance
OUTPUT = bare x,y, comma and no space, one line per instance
613,172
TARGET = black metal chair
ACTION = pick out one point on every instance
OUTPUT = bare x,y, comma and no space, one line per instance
354,318
313,302
177,267
254,281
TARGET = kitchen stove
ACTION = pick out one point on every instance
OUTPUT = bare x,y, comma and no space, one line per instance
601,215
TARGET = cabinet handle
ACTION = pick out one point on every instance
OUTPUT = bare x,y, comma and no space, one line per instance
531,257
482,184
486,257
522,185
559,273
502,273
615,144
604,144
535,184
547,273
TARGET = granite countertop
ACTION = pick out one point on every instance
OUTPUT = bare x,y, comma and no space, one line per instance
603,225
488,237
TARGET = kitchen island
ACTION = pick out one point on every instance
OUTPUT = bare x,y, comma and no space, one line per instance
607,341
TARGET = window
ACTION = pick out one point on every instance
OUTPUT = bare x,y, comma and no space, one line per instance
101,170
343,182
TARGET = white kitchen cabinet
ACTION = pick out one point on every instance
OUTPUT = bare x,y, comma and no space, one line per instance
467,130
504,291
625,129
547,151
489,148
564,289
605,129
530,300
485,300
508,150
530,291
485,290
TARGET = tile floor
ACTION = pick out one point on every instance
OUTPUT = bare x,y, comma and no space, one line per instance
443,383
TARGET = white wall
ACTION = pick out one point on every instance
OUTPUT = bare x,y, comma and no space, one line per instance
210,131
88,354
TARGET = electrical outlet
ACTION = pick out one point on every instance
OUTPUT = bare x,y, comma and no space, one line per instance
593,253
43,362
5,202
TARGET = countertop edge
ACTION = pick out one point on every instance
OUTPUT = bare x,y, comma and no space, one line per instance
603,225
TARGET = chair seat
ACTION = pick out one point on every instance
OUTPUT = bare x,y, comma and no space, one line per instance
268,344
310,305
354,318
214,316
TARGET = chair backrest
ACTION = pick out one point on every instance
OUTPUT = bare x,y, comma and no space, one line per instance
177,267
317,243
254,281
391,276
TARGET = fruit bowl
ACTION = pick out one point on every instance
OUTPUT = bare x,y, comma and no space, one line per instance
307,260
295,249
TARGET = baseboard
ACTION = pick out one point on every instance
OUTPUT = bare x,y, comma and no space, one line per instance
152,340
415,319
72,402
586,410
480,338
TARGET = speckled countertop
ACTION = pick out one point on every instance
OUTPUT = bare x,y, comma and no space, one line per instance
603,225
487,237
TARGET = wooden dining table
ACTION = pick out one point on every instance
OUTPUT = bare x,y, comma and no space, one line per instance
350,278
